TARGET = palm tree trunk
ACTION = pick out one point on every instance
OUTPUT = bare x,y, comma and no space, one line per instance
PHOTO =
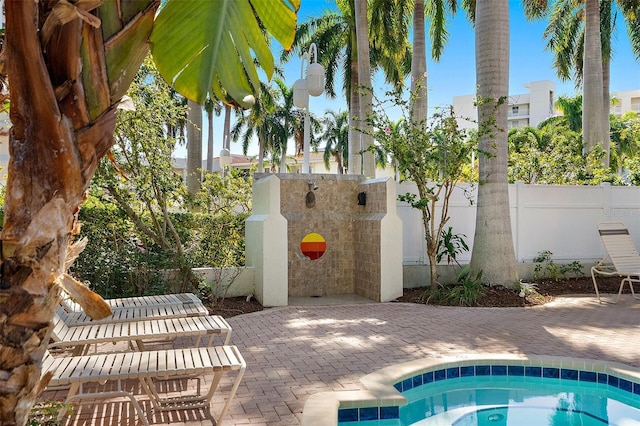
210,140
592,98
493,251
355,144
283,159
226,133
59,134
194,147
606,109
364,87
419,66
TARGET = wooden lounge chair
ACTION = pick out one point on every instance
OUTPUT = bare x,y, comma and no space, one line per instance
74,318
621,257
81,337
141,301
147,367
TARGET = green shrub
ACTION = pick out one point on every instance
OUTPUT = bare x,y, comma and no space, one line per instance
120,261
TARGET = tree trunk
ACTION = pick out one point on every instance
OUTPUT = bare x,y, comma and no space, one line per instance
226,134
210,140
419,66
364,87
592,98
493,251
63,111
355,144
194,148
606,109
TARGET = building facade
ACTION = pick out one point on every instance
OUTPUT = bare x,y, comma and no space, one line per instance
526,109
622,102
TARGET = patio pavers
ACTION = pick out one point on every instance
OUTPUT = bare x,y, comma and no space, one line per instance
295,351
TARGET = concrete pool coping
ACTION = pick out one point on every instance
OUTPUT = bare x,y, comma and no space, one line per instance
321,409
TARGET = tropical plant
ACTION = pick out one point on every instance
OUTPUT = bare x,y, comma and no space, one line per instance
292,125
625,140
141,179
579,33
336,139
334,33
70,64
258,121
450,246
435,158
436,12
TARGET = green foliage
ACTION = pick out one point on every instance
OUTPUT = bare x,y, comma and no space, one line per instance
120,261
465,292
451,245
46,413
137,218
553,155
547,268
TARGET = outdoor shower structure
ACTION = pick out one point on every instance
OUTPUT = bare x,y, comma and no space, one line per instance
314,235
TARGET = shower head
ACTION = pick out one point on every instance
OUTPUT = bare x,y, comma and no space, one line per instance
312,185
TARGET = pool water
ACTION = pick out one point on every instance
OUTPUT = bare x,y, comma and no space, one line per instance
514,401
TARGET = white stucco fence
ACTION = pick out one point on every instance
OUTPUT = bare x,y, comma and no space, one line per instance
560,219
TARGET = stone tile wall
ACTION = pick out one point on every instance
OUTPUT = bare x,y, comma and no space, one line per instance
367,235
331,217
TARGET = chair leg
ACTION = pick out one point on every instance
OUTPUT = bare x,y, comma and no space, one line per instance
595,284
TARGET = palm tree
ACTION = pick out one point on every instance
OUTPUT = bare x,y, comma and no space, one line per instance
493,251
571,109
567,38
365,90
334,33
593,132
291,121
336,138
70,64
260,121
436,11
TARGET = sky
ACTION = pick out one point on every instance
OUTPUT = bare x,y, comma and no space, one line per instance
454,74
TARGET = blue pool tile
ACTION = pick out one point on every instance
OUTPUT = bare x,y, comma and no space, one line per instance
551,373
533,371
515,370
369,413
348,415
603,378
483,370
439,375
613,381
569,374
588,376
417,380
387,413
427,377
636,388
498,370
453,373
407,384
625,385
467,371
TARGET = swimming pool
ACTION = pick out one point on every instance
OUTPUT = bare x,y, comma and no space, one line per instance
499,390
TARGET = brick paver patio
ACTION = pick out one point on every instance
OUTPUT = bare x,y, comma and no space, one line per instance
296,351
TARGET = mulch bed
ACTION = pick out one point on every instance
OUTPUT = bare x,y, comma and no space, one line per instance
547,290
